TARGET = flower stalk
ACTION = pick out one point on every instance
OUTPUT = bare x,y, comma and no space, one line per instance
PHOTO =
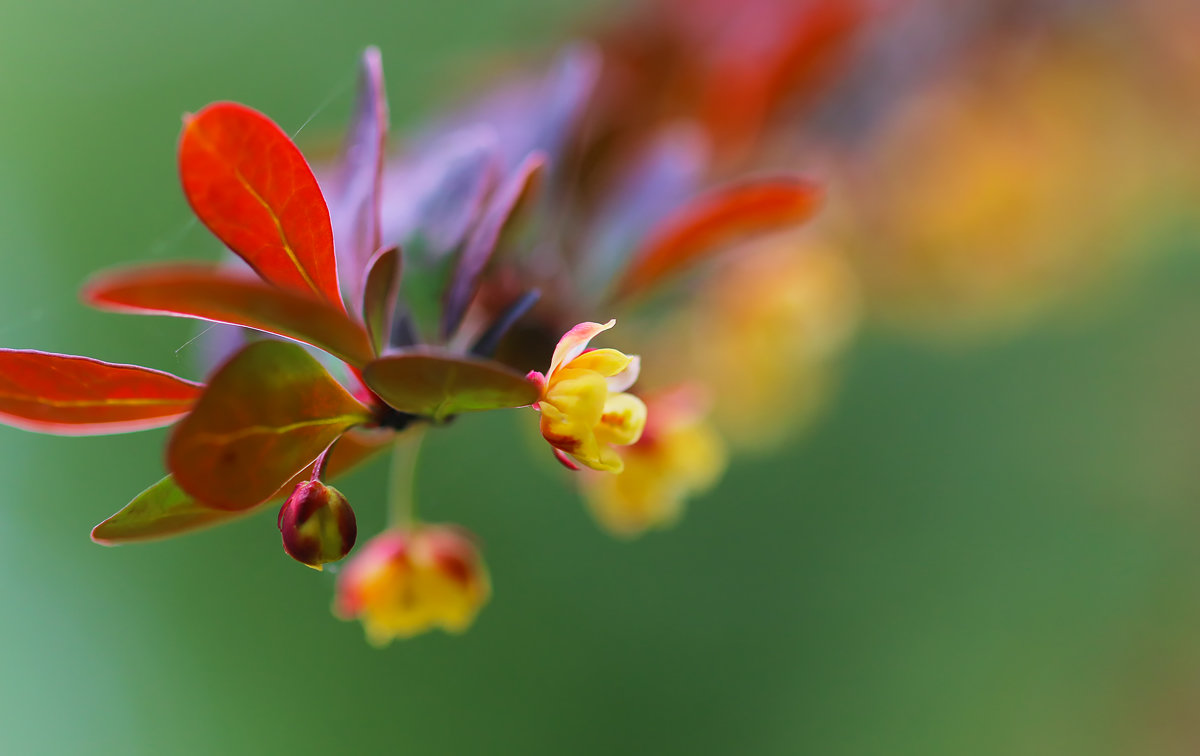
402,505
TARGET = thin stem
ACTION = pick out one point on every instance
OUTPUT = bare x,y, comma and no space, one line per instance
318,468
402,507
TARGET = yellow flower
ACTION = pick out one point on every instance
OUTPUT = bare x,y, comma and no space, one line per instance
765,334
985,204
677,457
585,411
406,582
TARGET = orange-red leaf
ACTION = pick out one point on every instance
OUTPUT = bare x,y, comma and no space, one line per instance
251,186
209,293
717,219
438,385
267,413
79,396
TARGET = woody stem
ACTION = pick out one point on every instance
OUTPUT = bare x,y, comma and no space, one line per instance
402,507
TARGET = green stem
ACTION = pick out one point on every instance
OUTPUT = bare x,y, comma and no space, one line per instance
402,507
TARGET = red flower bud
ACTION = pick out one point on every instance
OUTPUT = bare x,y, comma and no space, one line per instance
317,524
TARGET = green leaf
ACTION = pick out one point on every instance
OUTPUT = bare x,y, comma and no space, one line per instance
161,511
267,413
438,385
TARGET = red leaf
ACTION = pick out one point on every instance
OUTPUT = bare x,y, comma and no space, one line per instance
251,186
501,209
438,385
79,396
267,413
355,201
209,293
722,217
380,291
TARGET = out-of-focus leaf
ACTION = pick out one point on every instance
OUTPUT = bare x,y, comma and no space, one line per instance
251,186
78,396
432,384
354,204
161,511
223,296
502,208
439,195
722,217
555,106
489,340
754,68
535,113
266,414
380,291
660,178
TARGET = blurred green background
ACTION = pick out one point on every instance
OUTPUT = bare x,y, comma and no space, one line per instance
980,550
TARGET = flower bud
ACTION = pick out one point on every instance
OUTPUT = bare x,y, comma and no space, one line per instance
406,582
317,524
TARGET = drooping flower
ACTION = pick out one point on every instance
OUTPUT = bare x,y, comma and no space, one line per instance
406,582
585,410
766,334
678,456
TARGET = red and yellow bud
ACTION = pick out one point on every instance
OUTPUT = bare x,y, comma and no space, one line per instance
317,524
585,410
678,456
408,581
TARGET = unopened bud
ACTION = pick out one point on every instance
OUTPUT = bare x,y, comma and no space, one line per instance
317,524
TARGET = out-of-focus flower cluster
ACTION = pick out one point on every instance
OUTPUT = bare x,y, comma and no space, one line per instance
739,182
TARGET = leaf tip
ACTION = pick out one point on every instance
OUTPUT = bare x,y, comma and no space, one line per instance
97,536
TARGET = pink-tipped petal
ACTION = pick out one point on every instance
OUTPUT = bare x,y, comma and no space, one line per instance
572,344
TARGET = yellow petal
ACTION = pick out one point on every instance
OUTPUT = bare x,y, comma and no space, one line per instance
606,362
571,408
623,420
